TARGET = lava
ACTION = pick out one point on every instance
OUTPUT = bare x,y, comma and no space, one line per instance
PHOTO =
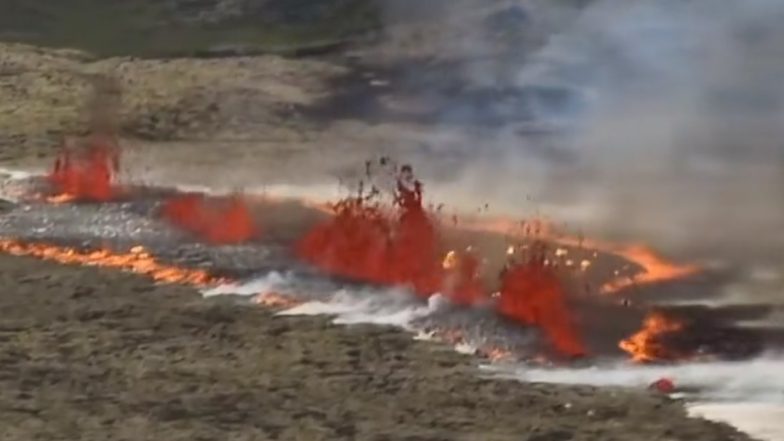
648,344
531,293
365,242
654,268
461,279
136,260
86,173
217,221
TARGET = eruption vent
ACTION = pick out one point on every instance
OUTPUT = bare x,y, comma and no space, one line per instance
86,173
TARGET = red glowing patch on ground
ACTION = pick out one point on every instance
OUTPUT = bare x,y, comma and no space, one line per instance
532,293
217,221
86,174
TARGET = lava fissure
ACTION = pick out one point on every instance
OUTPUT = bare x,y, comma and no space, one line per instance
136,260
217,220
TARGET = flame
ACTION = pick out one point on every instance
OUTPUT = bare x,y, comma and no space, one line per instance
218,221
137,260
646,345
86,175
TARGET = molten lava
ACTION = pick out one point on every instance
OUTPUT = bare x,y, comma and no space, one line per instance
654,268
531,293
217,221
137,260
86,174
364,242
648,344
461,278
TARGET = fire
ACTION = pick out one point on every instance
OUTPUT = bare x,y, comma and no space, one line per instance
647,344
86,174
218,221
136,260
531,293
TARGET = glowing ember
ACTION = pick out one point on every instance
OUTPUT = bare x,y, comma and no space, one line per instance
647,345
137,260
531,293
218,221
87,174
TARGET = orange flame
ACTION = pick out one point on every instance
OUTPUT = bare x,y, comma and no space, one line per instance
137,260
87,175
646,344
218,221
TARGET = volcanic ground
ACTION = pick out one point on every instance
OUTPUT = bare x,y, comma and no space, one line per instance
134,220
94,353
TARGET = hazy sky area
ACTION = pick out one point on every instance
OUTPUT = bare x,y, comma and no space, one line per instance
676,135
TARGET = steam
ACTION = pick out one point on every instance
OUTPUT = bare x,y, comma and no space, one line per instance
393,307
673,132
749,395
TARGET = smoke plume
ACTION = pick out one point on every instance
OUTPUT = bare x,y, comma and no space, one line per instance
658,120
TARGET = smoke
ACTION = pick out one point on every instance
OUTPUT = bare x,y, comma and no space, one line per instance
662,119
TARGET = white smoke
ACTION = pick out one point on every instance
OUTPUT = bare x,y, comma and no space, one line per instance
675,137
394,307
749,395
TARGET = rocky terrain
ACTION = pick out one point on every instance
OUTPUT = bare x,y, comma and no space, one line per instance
95,354
92,354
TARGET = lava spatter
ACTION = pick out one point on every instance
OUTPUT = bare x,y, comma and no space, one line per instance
532,293
86,172
214,220
367,241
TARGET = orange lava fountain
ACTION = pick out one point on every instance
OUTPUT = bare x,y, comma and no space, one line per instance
646,345
398,247
217,221
532,293
363,242
137,260
88,174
